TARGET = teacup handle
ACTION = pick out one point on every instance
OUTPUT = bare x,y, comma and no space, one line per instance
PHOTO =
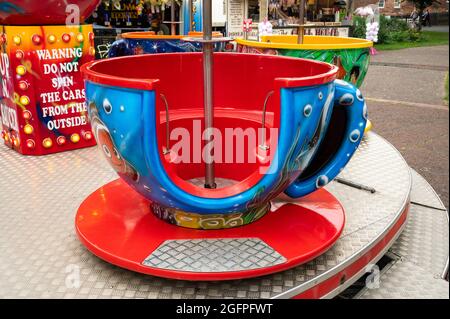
119,48
350,98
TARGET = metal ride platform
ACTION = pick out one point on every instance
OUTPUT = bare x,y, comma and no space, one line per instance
41,256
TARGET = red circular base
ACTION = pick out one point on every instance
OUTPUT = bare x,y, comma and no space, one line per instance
116,224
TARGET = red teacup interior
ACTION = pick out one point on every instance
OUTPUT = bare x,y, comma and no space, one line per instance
242,83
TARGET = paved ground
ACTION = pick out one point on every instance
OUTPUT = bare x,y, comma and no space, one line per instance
405,90
437,28
430,56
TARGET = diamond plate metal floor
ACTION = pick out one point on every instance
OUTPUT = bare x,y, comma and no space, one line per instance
421,251
42,258
405,280
214,255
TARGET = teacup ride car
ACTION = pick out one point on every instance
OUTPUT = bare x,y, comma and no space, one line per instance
204,166
147,42
350,55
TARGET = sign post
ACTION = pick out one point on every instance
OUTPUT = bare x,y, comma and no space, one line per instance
301,26
247,27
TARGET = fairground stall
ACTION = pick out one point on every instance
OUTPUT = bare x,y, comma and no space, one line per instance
322,17
112,18
207,183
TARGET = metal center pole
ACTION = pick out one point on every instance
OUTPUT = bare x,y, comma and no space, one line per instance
191,14
208,65
301,27
173,30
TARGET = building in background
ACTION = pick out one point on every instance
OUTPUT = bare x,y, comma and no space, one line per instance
403,8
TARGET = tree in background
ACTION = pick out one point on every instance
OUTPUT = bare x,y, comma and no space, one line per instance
421,5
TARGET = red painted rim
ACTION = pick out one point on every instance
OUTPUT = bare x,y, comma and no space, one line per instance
90,73
325,287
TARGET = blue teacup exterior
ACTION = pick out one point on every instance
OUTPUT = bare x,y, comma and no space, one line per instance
123,122
132,46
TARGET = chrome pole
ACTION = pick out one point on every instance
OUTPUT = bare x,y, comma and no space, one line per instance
208,64
191,14
301,27
173,29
